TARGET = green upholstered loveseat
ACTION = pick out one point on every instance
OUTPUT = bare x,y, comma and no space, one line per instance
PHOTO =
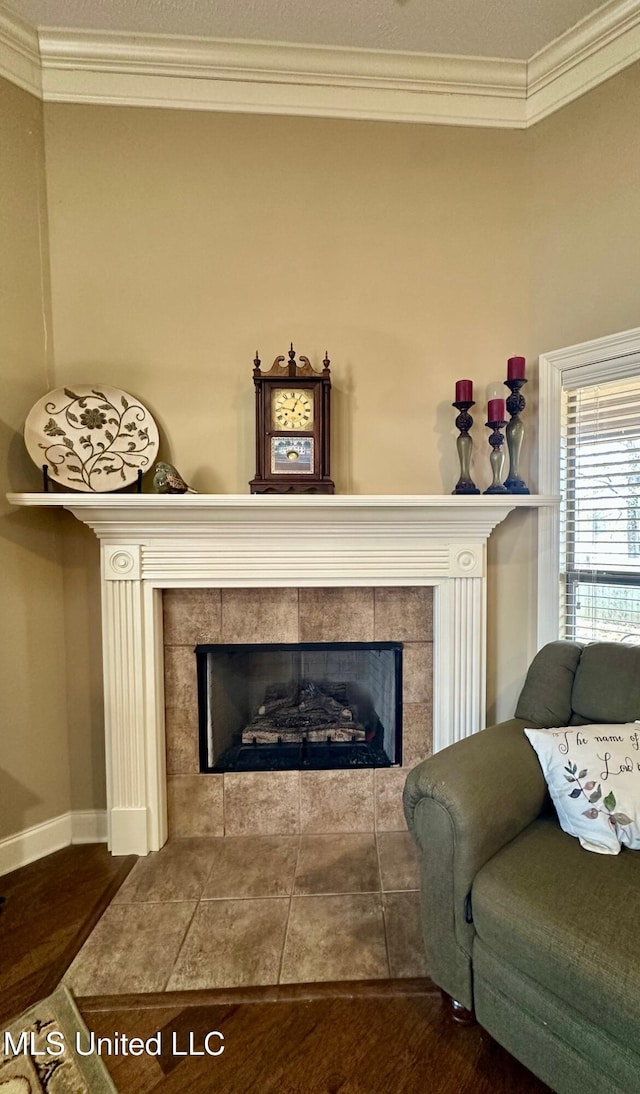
539,937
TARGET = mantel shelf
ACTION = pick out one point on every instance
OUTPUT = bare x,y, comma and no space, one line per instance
254,503
143,517
257,500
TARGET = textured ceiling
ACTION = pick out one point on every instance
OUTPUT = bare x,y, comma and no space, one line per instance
482,28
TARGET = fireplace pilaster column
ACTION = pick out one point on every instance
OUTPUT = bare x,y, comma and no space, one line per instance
459,627
123,634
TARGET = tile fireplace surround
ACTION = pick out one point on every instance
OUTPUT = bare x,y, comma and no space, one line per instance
151,543
283,802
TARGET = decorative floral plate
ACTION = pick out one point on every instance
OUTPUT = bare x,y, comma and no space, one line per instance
93,438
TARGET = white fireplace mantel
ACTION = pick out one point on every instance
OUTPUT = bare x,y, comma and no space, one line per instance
152,542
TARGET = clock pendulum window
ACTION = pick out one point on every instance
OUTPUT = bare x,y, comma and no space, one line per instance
293,421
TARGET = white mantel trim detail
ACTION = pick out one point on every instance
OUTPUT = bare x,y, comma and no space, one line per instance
150,543
283,78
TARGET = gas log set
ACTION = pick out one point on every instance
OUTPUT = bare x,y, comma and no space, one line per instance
308,711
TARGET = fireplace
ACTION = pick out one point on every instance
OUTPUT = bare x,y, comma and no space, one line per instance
226,544
299,706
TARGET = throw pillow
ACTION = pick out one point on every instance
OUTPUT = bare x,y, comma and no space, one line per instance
593,775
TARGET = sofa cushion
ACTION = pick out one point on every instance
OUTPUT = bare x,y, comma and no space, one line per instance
546,1033
545,699
593,775
607,684
568,921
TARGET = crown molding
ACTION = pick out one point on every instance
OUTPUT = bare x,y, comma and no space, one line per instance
20,53
282,78
591,52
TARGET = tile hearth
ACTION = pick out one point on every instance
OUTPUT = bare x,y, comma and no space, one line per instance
245,911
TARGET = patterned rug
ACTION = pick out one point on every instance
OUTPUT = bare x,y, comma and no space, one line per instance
38,1052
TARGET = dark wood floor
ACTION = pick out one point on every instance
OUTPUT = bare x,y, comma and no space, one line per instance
50,908
391,1044
391,1037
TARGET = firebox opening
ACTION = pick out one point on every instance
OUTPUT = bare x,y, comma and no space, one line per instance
303,706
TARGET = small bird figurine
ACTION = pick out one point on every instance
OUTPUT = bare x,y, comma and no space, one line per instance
168,480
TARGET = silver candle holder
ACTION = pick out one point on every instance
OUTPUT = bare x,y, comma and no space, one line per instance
496,459
464,444
514,483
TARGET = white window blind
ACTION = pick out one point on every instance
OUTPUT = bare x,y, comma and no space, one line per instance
601,511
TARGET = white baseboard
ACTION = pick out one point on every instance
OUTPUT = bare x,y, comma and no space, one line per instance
52,835
89,826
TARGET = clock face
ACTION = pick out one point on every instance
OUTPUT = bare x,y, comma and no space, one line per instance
292,409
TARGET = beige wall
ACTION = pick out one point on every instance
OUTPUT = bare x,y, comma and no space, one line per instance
586,217
34,753
181,242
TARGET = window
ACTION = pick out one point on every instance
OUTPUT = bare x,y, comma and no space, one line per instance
589,444
600,488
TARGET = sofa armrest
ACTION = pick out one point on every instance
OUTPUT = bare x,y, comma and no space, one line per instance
463,805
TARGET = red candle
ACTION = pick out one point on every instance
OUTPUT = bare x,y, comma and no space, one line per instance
464,391
495,411
515,368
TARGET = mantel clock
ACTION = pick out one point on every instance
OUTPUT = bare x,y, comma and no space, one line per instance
292,427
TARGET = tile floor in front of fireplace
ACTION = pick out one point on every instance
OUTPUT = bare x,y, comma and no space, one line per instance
243,911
